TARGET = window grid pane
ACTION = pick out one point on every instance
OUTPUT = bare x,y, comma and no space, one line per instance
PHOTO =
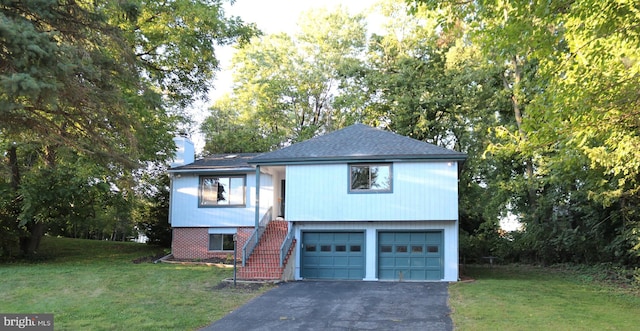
215,242
227,242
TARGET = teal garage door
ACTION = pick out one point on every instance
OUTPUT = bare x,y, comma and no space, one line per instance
410,255
332,255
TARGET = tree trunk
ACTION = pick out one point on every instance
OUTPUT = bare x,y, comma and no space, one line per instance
30,243
15,170
517,112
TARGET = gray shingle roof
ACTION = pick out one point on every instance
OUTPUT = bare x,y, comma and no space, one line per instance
220,161
357,142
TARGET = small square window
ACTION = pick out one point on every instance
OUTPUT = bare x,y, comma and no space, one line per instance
416,249
355,248
401,249
341,248
310,248
325,248
370,178
386,248
432,249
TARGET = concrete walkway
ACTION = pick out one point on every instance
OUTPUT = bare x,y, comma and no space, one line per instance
344,305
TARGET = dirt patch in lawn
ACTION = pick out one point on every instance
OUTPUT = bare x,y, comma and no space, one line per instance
214,261
148,258
242,285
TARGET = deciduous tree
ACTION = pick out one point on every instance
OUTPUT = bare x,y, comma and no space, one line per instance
100,82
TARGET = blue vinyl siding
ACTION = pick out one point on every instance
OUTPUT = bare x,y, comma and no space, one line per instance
422,191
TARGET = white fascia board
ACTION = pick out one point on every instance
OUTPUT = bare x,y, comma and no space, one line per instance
223,230
212,171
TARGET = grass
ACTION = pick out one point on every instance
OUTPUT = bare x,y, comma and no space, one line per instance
94,285
532,298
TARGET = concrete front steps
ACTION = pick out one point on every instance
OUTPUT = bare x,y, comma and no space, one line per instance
264,262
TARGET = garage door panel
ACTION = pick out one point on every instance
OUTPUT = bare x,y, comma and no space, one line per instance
355,261
402,237
385,236
387,274
434,237
410,255
386,261
325,261
312,236
339,255
417,237
341,261
325,273
418,263
344,237
401,262
433,262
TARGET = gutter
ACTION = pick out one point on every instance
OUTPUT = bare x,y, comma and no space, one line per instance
170,200
205,170
334,160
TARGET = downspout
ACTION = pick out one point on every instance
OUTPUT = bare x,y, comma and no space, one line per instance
257,198
170,197
170,212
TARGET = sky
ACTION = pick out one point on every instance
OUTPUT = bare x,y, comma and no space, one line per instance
273,16
276,16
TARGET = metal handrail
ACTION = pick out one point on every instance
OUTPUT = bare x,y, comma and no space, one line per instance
254,239
286,245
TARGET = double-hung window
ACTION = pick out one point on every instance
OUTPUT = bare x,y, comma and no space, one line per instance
222,191
370,178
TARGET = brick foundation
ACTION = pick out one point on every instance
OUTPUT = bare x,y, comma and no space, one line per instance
193,243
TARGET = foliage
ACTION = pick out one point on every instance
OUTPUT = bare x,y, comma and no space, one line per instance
89,93
174,42
227,131
571,74
284,85
154,218
542,96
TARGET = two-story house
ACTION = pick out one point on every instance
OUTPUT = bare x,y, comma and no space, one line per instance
357,203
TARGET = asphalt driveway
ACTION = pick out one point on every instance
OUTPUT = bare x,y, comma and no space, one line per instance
344,305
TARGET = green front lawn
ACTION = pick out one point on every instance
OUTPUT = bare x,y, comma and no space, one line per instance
532,298
94,285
